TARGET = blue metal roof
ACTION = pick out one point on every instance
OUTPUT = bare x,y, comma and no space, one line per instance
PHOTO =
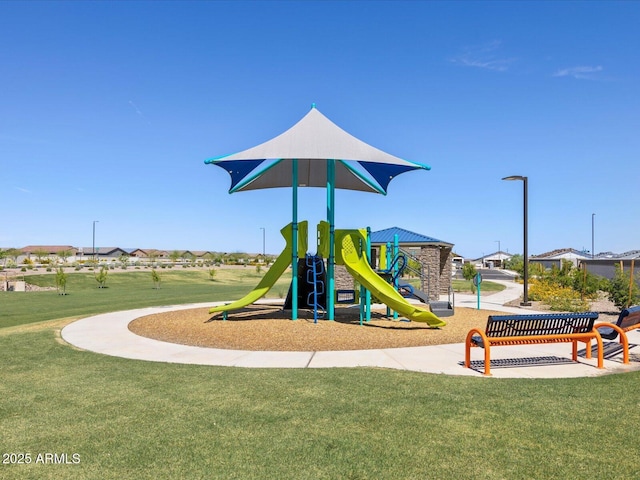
404,237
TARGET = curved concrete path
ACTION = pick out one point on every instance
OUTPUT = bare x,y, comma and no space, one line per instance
109,334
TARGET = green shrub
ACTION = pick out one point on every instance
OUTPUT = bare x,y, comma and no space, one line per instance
101,277
558,297
61,281
468,272
155,276
620,292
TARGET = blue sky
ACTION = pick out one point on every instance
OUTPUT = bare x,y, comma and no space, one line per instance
109,109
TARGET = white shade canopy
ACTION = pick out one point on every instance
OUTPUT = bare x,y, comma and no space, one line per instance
312,141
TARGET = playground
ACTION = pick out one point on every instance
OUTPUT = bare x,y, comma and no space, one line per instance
315,152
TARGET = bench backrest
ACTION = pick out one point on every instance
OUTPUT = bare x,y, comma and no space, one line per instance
540,324
629,317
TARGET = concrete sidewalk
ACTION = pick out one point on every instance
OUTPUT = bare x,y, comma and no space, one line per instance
109,334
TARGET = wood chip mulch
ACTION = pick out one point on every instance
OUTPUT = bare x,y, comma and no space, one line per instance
262,327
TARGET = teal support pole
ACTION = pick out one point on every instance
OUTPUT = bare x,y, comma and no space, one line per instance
367,293
388,269
294,244
396,251
331,198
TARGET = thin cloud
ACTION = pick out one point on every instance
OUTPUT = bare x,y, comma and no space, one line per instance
139,112
23,190
486,56
580,72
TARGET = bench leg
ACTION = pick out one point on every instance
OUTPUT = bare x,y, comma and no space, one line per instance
587,354
587,349
467,355
487,358
625,347
600,352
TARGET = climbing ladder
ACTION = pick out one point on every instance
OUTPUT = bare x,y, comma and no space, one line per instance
315,279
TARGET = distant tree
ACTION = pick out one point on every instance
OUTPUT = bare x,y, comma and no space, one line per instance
155,276
124,260
64,255
468,272
515,263
174,256
212,274
13,254
101,276
61,281
41,255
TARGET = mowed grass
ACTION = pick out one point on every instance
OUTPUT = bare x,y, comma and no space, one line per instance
127,290
130,419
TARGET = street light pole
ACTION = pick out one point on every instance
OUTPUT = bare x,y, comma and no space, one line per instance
593,252
93,247
499,255
263,243
525,299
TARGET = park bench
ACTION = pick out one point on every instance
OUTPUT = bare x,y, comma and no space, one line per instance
629,319
502,330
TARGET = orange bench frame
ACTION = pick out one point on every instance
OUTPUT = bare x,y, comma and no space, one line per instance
588,334
629,319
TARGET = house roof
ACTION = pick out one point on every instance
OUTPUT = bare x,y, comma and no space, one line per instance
101,250
630,255
500,256
51,249
562,251
406,237
200,253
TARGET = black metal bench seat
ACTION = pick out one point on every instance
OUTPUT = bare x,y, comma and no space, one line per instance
502,330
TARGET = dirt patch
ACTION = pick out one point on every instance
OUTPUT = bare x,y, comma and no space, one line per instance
270,328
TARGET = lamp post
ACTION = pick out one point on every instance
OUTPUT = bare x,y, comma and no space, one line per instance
93,247
499,254
263,243
525,298
593,252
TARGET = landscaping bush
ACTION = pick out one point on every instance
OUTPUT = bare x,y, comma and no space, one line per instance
620,292
566,288
101,277
468,272
558,297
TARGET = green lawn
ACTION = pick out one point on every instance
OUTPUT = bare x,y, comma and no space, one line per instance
128,290
486,286
130,419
